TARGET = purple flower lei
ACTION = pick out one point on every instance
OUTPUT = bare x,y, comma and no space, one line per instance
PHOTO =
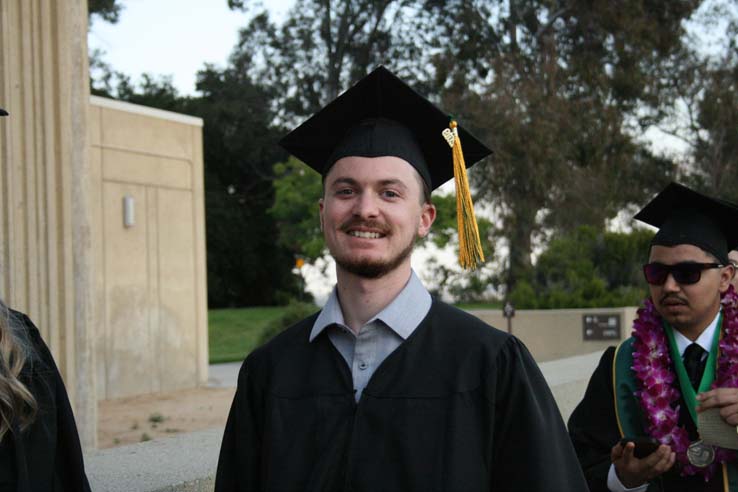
658,396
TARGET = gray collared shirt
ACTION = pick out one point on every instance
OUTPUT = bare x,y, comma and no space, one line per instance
380,336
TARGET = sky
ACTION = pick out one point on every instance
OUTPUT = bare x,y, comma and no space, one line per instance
172,37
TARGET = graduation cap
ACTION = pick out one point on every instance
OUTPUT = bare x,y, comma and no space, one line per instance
383,116
685,216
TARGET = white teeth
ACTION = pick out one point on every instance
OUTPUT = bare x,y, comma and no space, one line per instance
365,235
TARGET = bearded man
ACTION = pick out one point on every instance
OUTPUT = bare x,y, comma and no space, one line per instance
638,426
387,389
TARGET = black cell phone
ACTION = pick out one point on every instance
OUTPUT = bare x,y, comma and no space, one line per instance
644,445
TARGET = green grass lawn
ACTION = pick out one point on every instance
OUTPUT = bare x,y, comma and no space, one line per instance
233,333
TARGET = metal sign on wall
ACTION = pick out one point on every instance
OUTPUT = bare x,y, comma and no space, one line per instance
601,326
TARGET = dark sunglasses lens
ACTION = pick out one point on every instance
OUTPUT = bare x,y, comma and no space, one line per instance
687,274
655,273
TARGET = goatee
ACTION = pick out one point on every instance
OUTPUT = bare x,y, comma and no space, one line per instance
371,268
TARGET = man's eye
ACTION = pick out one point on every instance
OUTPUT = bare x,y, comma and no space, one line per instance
345,191
390,194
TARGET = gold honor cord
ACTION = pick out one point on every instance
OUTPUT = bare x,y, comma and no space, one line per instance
470,246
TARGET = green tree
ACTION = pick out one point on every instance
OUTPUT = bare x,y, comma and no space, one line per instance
559,89
563,87
587,268
321,48
297,190
246,264
705,117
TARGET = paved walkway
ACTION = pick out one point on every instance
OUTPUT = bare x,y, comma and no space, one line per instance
223,375
569,369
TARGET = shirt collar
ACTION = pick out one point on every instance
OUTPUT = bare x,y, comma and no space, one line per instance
704,340
402,315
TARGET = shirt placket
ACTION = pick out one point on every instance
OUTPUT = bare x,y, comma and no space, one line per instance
364,357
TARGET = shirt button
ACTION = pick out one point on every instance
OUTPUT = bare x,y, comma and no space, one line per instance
362,365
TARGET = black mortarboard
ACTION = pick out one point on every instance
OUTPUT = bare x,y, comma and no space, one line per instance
383,116
3,112
380,116
685,216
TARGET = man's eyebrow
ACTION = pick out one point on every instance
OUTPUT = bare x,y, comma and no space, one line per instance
352,182
393,182
343,181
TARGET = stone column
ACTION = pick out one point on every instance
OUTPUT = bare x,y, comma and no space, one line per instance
46,255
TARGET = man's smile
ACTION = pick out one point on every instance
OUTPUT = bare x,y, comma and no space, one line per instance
365,234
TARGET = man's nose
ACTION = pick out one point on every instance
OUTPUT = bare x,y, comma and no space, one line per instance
366,205
671,285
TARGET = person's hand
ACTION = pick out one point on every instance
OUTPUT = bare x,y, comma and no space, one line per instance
633,472
726,399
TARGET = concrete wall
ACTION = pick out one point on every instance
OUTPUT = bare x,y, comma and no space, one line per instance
557,333
151,276
46,260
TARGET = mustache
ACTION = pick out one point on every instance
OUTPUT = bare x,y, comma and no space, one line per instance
675,297
352,223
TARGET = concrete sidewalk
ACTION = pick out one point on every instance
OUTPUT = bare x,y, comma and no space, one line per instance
184,463
223,375
568,379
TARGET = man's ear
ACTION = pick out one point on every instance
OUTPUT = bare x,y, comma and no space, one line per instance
427,217
726,275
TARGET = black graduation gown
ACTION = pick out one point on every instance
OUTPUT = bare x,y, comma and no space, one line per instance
459,406
47,455
594,431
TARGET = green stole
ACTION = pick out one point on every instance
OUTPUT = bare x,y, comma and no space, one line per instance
628,413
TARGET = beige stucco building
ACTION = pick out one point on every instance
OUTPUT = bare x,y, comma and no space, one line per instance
102,236
149,248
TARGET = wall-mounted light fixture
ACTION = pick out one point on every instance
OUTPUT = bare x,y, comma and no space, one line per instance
129,211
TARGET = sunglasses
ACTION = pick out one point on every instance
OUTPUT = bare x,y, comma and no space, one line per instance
685,273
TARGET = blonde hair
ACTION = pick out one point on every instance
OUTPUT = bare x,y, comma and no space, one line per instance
17,404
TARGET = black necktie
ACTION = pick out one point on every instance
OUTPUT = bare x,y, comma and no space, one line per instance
693,364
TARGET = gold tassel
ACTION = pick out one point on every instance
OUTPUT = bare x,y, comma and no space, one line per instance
470,246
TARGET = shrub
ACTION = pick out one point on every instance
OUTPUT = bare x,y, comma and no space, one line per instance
293,312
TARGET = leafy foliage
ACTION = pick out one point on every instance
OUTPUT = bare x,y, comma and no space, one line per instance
323,47
108,10
245,267
561,90
565,87
558,89
705,113
297,190
292,313
587,268
462,286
